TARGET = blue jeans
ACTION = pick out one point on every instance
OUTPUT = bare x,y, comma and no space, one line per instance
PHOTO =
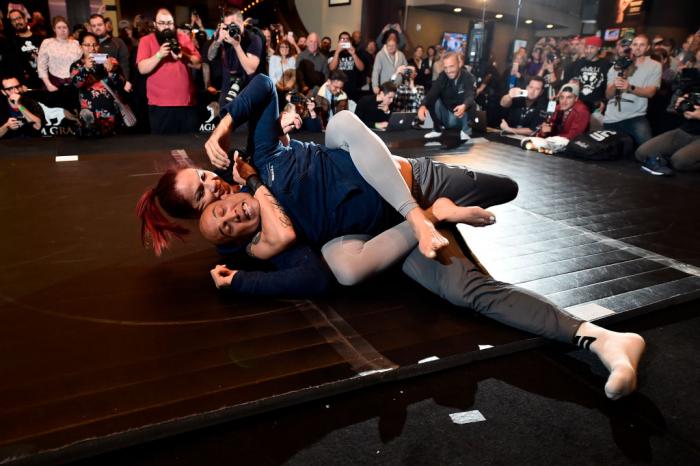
444,118
637,127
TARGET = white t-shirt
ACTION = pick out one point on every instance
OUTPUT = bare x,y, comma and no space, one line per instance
648,73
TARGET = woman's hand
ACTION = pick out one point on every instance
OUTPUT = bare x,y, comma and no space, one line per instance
110,64
51,88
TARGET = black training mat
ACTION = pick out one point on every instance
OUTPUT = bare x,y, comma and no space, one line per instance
107,346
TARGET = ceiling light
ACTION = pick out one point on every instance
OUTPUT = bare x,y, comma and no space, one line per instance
550,26
499,16
528,21
457,10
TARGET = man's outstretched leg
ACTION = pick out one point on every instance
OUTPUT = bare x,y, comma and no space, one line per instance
455,278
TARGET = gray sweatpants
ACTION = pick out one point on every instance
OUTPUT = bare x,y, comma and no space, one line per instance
452,277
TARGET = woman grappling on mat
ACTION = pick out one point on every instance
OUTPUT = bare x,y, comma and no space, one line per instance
453,277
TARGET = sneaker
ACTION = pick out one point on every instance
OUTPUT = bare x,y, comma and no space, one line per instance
464,137
658,166
433,135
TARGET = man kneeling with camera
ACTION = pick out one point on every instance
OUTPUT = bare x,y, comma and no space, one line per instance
21,116
679,147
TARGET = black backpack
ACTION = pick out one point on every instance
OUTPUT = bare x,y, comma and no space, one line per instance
601,145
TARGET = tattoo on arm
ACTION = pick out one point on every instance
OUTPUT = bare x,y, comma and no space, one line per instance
283,218
254,241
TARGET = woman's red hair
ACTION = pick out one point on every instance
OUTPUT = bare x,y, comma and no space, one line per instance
154,224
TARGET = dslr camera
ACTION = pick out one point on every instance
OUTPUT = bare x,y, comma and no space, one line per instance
688,105
171,38
234,30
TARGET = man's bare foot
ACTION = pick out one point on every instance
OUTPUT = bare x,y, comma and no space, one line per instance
445,210
429,239
620,353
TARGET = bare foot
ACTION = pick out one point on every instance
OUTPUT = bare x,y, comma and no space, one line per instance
620,353
446,211
429,239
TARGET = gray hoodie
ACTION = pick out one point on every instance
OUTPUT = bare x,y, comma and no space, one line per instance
385,67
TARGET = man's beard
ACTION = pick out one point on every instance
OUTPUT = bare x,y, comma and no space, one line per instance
22,31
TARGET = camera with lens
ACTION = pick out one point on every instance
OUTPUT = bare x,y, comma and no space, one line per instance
171,38
406,73
624,61
234,30
551,57
688,105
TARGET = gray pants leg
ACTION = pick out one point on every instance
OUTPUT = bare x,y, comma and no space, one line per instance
372,159
458,280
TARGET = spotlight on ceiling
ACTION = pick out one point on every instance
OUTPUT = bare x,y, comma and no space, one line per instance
499,16
457,10
528,21
549,26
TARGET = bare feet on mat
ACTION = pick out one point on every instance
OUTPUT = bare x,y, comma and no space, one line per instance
445,210
620,353
429,239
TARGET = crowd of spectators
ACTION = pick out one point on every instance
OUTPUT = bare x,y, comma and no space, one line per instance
157,76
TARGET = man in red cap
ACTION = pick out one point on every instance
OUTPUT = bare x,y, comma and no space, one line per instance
591,73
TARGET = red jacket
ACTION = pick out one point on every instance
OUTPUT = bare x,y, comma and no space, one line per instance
576,122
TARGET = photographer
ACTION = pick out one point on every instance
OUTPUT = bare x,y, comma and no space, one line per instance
21,117
408,95
165,56
551,71
242,54
113,46
97,77
631,82
591,72
571,116
680,147
375,110
346,59
450,99
526,109
330,97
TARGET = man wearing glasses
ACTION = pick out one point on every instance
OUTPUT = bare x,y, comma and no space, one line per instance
169,86
21,116
26,48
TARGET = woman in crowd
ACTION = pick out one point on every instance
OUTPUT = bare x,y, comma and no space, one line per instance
98,84
56,55
282,60
437,64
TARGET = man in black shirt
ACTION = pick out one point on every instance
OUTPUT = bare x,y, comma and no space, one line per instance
679,147
525,114
242,56
19,115
450,99
592,74
346,59
374,110
26,47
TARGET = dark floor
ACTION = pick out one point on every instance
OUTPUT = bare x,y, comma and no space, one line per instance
107,343
540,407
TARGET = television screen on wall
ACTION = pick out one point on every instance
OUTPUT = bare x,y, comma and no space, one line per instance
454,41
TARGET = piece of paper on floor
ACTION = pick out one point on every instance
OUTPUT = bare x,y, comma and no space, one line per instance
483,347
431,358
467,416
66,158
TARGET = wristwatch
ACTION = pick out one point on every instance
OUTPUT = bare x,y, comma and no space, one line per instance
632,87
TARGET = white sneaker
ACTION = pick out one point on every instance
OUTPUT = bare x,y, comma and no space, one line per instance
464,136
433,134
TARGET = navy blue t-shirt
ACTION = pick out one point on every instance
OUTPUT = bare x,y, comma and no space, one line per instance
323,193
